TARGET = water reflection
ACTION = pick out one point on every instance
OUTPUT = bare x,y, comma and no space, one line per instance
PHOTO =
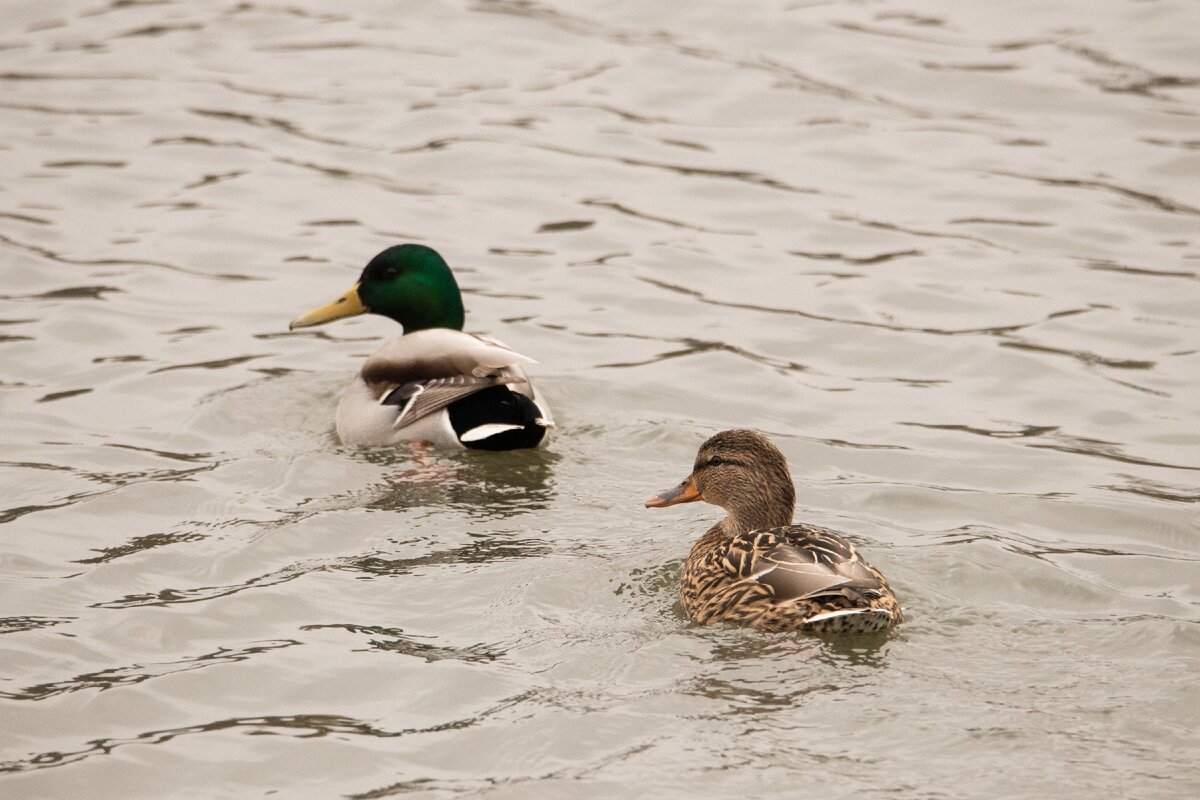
137,673
297,725
1156,490
395,640
979,223
139,544
494,485
482,548
18,624
170,596
785,650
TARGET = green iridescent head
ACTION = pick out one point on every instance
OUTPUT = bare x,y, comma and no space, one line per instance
409,283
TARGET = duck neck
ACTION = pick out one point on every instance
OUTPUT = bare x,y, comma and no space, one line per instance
758,512
429,301
443,312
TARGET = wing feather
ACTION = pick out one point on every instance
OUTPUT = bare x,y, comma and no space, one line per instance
425,371
802,562
419,400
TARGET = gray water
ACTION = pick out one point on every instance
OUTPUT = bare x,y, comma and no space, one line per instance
946,254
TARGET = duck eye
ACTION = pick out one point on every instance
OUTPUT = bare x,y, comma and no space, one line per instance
389,272
716,461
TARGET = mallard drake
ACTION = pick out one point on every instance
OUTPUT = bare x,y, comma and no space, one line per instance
435,383
757,568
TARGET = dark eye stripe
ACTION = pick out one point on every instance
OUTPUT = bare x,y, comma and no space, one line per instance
717,461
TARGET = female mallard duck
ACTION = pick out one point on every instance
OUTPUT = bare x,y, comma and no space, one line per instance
755,567
435,383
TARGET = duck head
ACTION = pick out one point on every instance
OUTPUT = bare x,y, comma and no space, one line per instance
744,473
409,283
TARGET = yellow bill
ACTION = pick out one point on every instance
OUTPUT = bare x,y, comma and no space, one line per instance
348,305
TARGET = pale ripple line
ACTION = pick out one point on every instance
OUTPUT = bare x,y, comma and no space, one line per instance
1110,266
740,175
1025,546
273,123
67,111
878,258
1136,387
160,29
993,330
977,66
335,44
309,726
856,445
1137,80
626,210
693,346
660,39
1017,223
1143,81
137,673
1155,490
289,11
274,94
25,218
907,35
379,181
22,624
1065,443
124,478
84,162
480,551
1098,448
1145,198
468,787
220,363
891,226
167,454
203,141
169,597
574,77
744,700
600,261
1040,551
107,77
628,116
69,293
51,255
696,346
916,383
477,551
115,481
214,178
140,544
86,112
1019,432
807,83
1081,355
946,488
394,640
1183,144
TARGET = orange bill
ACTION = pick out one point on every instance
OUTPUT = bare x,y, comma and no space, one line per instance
685,492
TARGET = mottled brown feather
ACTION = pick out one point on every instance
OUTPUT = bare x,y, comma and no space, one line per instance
755,568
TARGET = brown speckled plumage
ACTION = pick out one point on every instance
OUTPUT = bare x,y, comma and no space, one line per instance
755,567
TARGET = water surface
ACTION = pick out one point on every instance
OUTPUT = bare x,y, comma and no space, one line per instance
946,255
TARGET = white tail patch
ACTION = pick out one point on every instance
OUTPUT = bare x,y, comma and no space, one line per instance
847,612
484,431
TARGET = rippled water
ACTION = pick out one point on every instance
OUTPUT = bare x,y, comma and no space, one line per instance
946,254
